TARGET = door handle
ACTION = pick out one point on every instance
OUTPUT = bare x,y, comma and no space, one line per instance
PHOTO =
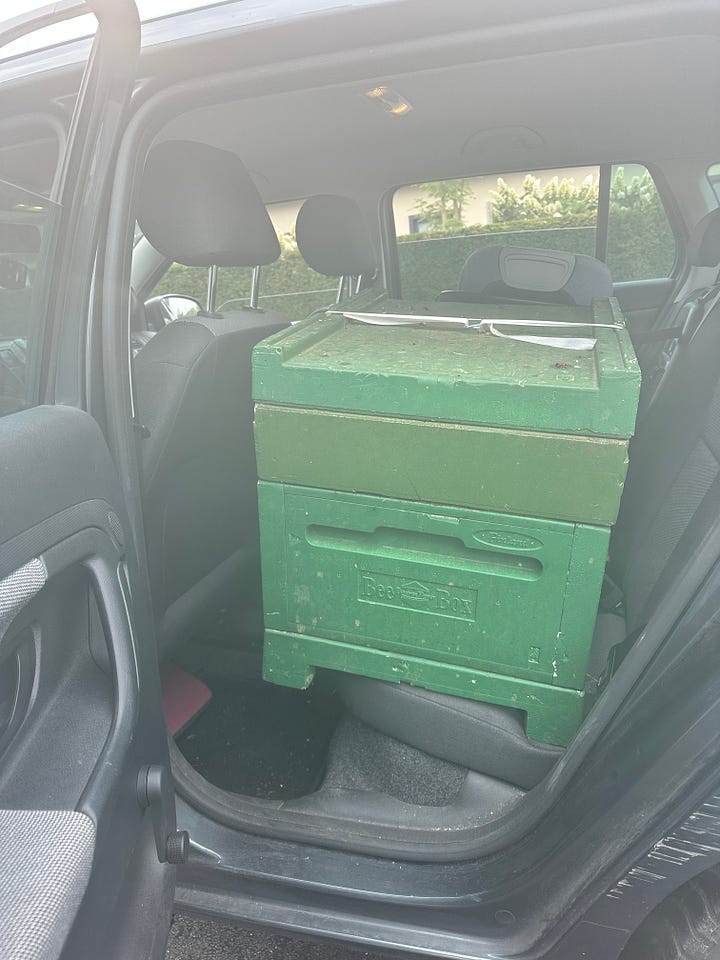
156,793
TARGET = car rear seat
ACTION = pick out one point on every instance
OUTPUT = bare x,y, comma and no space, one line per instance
199,207
333,239
672,489
505,274
694,297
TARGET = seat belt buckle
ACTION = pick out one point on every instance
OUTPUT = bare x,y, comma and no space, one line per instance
612,596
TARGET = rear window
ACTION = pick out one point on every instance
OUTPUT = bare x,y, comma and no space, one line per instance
440,224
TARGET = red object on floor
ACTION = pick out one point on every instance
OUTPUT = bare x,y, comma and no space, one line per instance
183,696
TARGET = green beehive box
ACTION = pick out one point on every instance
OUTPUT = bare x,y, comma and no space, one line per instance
436,503
451,415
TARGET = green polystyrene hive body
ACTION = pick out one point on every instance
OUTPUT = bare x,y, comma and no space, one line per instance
436,503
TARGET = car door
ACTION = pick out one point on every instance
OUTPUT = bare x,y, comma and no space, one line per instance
87,815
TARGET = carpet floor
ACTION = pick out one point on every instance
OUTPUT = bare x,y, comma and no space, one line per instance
262,740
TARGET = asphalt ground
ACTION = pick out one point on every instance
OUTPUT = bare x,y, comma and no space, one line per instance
195,938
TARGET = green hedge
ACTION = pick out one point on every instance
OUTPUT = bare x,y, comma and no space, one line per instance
640,246
510,226
433,264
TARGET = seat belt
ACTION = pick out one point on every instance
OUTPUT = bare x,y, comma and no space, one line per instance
612,596
653,336
612,659
701,304
675,337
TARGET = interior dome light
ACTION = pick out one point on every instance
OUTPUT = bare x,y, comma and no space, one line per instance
389,99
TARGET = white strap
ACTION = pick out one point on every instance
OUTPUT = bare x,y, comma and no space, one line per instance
562,343
474,323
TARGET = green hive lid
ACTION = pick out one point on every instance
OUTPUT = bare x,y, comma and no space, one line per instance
456,374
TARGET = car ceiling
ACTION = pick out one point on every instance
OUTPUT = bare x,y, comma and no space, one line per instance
645,100
495,86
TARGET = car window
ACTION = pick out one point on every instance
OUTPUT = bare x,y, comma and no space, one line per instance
33,151
181,281
289,285
640,240
27,218
438,225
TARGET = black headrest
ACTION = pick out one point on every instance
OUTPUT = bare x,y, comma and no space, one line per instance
703,248
333,238
199,206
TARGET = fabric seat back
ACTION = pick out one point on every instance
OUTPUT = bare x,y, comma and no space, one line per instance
193,392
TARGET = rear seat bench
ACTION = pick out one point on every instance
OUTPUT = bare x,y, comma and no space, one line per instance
479,735
672,489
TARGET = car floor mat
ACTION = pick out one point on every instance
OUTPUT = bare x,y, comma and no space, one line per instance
262,740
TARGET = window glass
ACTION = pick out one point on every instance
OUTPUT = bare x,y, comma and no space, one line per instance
32,150
289,285
26,227
181,281
439,224
84,26
640,241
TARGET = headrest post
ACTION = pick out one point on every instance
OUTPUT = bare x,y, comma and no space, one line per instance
255,287
358,283
340,290
212,288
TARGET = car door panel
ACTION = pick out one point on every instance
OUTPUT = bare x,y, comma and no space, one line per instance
79,683
48,856
82,736
642,300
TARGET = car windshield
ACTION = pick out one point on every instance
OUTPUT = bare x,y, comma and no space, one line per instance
79,28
